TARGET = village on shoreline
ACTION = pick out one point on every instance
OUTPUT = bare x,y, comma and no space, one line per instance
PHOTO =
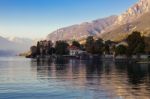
134,47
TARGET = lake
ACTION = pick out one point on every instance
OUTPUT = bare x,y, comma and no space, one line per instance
22,78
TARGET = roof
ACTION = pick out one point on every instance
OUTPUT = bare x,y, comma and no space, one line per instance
73,47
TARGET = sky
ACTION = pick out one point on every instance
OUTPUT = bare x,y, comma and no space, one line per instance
37,18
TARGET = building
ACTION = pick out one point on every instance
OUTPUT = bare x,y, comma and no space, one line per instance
73,50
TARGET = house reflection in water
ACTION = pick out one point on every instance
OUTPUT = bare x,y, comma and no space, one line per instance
124,80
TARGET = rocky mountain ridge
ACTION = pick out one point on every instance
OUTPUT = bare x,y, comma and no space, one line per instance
140,8
135,18
124,23
82,30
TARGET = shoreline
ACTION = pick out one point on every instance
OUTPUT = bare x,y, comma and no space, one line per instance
96,57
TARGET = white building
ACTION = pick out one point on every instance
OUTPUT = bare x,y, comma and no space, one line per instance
73,50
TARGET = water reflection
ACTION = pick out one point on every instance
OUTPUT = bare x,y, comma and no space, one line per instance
103,79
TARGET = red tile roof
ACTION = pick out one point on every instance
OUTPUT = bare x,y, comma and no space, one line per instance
73,47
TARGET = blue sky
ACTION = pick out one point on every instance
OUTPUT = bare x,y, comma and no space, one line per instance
37,18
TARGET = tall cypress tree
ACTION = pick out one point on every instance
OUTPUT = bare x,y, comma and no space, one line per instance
38,48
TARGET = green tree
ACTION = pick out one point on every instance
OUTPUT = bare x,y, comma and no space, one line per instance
136,43
107,46
61,48
50,48
33,50
140,48
98,46
106,49
120,50
94,46
89,45
83,47
38,48
76,43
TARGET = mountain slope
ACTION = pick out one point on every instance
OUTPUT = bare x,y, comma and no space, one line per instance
142,24
113,28
6,47
134,12
23,43
14,46
5,44
135,18
83,30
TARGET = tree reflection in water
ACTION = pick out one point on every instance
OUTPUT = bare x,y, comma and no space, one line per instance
120,78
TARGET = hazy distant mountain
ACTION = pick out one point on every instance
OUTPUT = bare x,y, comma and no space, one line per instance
13,46
24,42
114,27
5,44
6,47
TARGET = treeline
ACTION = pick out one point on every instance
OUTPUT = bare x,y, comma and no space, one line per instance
48,48
133,44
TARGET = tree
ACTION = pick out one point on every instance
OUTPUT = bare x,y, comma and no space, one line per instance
38,48
106,49
98,46
140,48
89,45
61,48
83,47
136,43
76,43
107,46
120,50
94,46
50,48
33,50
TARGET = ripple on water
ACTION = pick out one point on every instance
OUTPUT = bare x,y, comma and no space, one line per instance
22,78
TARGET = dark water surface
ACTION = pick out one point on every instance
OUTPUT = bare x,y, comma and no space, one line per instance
22,78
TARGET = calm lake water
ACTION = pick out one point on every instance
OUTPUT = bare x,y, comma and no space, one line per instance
22,78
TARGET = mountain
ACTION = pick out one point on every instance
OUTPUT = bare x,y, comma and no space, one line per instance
6,47
13,46
142,24
82,30
113,28
6,44
135,18
24,43
134,12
